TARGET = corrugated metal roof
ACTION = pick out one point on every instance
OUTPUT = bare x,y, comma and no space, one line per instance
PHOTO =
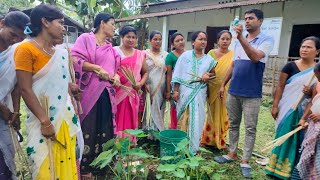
196,9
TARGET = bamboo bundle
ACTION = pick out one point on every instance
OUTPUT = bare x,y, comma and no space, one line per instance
128,73
72,74
282,139
199,79
125,88
44,101
21,160
147,111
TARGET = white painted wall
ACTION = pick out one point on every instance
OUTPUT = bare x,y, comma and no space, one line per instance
295,12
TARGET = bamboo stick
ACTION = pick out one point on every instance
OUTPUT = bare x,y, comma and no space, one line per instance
44,100
73,78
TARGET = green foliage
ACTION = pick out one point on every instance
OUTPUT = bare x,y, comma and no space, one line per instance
190,167
125,162
20,4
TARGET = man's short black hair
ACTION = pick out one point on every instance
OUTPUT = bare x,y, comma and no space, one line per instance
257,12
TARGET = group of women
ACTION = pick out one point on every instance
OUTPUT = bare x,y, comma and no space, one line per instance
78,99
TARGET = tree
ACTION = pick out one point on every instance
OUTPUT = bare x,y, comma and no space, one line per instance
19,4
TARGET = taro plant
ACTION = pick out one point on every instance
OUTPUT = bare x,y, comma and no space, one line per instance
187,166
125,162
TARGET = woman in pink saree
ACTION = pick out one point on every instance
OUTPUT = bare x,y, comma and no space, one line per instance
95,63
132,59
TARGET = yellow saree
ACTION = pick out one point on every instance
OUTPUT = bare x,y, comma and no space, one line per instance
217,124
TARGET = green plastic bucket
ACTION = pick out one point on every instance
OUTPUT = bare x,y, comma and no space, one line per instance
168,142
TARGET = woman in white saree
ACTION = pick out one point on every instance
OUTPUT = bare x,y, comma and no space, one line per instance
11,32
44,81
155,58
191,96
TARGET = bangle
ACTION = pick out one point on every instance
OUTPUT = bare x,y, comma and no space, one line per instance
46,126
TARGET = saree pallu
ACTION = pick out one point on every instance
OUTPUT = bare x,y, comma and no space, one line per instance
192,97
52,81
7,81
284,157
309,164
128,106
217,123
157,76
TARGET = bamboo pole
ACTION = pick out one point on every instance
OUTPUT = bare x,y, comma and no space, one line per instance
72,74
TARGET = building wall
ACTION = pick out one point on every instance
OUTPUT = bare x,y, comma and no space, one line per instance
294,12
185,4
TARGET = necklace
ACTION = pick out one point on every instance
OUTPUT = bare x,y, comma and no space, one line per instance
99,42
43,48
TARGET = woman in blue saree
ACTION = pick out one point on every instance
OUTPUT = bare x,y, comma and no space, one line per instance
287,111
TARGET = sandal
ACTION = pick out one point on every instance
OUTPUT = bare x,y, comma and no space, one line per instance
246,170
223,159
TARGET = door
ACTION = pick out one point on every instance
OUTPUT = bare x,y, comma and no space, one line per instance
212,33
299,32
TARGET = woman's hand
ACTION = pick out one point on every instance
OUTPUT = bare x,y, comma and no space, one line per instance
205,77
75,90
167,96
116,81
175,96
147,88
137,87
307,90
275,112
315,117
103,74
47,129
303,123
221,92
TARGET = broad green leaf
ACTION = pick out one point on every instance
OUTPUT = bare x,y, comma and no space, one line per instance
106,146
166,158
216,176
139,153
92,3
101,157
205,150
183,164
118,167
159,176
107,160
182,145
135,132
167,167
179,173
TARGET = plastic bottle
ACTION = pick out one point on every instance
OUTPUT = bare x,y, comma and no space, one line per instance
236,21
